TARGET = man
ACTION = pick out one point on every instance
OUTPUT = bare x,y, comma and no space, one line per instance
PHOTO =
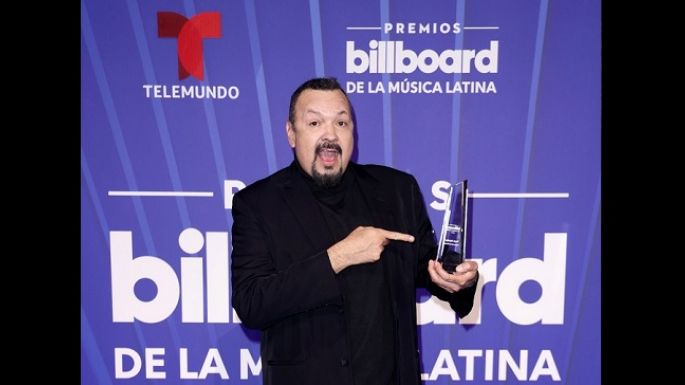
327,256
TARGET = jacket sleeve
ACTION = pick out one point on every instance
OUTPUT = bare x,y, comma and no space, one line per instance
262,294
462,301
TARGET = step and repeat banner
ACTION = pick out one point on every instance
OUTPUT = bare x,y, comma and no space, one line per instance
183,103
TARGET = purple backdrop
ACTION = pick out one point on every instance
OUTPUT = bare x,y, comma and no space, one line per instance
506,94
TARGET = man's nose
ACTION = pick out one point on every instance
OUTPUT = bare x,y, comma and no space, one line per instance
331,131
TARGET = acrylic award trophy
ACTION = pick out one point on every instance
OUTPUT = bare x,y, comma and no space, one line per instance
452,242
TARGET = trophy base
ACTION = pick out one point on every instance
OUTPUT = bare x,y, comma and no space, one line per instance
450,260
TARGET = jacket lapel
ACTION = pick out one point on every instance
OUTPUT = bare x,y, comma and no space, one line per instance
380,211
302,204
382,216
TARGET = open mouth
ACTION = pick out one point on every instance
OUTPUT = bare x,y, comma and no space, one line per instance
328,153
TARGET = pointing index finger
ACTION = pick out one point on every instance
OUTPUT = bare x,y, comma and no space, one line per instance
394,235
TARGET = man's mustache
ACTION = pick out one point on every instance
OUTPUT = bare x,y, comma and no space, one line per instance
328,146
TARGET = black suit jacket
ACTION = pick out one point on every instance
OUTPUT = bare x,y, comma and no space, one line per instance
284,285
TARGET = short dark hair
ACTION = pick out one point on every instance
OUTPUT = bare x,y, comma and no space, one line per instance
326,84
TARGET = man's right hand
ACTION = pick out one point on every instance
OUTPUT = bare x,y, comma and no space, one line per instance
362,245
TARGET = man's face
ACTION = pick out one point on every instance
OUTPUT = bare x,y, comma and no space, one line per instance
322,134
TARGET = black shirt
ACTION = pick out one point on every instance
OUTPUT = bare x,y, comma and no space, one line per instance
367,308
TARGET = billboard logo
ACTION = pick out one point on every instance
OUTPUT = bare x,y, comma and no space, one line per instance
189,34
201,281
391,57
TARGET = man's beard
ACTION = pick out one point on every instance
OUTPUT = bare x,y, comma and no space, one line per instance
327,180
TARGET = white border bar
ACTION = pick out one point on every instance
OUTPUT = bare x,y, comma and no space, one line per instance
518,195
201,194
363,28
480,28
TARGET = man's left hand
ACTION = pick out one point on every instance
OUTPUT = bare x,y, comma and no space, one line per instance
464,276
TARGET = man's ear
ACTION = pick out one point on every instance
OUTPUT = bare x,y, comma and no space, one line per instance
290,130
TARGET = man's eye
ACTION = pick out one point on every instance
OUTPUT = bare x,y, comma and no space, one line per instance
342,123
313,124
